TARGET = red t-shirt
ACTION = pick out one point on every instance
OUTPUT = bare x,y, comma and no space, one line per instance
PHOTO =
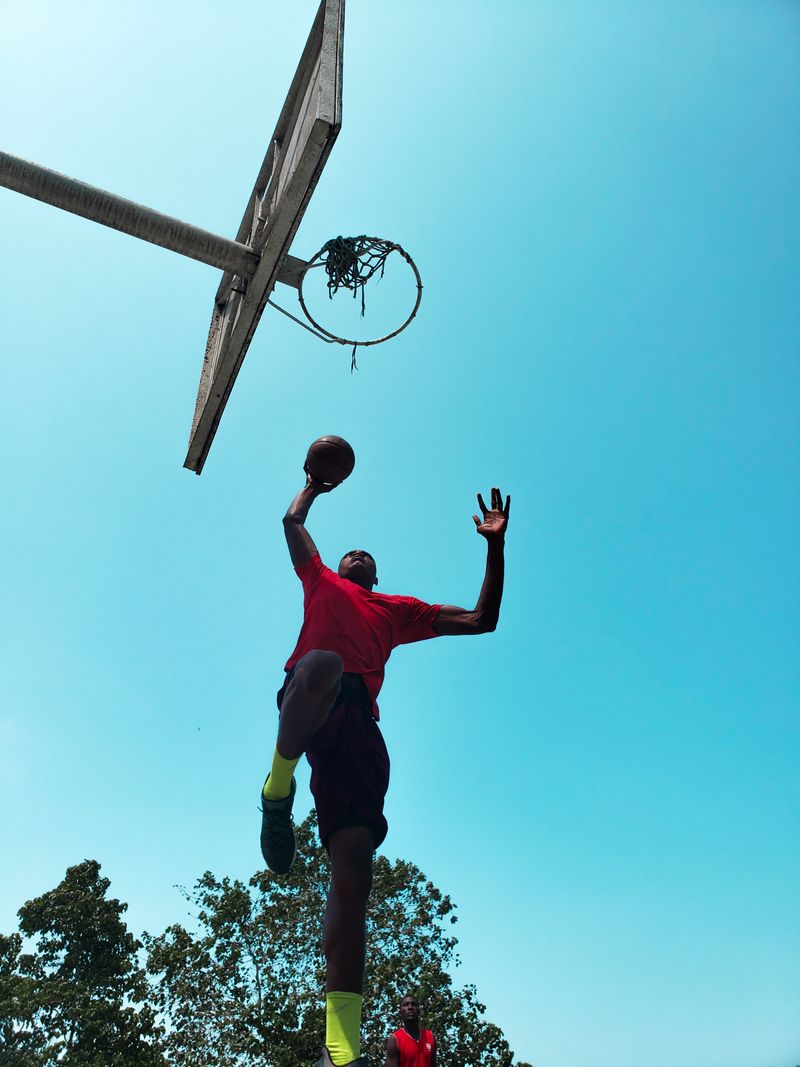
415,1053
362,627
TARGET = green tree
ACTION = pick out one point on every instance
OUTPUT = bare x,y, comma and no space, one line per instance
245,986
79,998
22,1041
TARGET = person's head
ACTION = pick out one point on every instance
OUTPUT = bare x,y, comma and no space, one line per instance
409,1009
358,566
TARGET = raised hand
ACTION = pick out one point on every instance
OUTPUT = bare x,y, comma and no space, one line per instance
317,485
495,519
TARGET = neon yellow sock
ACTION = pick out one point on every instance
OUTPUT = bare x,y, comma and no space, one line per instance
279,783
343,1026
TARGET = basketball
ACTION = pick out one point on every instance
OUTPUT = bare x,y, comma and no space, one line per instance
330,459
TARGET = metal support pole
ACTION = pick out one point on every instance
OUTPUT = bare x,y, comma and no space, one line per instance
125,215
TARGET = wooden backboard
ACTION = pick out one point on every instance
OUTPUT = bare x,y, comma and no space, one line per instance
307,127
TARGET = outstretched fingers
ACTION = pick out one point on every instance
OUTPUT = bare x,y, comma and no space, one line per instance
497,502
498,507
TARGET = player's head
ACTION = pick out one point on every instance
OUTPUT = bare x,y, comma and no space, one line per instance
409,1009
359,566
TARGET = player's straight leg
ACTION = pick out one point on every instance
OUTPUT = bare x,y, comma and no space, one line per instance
307,702
351,851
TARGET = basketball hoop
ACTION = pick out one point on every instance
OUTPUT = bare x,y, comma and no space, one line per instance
350,262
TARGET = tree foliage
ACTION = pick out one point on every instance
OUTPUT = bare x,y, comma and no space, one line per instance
80,997
245,986
242,987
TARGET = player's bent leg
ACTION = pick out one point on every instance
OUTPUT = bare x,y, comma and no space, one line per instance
351,851
307,702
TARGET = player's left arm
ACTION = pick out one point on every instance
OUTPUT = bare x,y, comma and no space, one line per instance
454,621
433,1054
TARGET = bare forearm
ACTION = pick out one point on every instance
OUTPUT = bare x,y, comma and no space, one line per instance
453,621
299,508
299,540
483,617
487,610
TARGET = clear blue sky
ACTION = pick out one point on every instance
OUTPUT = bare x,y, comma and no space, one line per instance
602,199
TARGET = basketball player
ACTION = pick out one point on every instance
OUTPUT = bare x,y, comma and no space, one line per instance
410,1046
328,710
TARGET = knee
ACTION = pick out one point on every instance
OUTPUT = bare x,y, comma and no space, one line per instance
353,879
351,863
318,671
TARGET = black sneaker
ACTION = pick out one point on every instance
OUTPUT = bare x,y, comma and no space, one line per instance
277,833
326,1061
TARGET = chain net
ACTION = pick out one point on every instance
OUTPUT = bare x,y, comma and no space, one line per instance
350,262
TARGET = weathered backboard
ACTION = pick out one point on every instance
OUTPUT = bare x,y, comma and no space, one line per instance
307,127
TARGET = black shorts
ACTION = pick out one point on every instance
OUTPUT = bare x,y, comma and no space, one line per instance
349,764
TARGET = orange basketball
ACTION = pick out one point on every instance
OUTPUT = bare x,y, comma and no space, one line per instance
330,459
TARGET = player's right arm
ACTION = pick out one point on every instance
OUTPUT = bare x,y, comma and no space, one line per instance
301,544
392,1053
